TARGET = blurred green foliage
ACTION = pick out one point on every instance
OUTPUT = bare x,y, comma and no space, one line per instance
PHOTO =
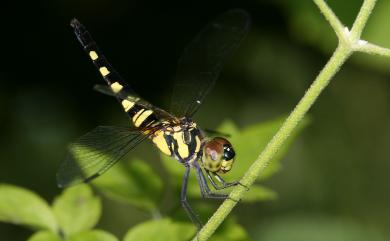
163,229
77,210
334,180
316,228
318,33
21,206
44,236
76,202
133,182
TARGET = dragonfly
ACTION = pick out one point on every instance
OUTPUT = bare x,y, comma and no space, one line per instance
173,132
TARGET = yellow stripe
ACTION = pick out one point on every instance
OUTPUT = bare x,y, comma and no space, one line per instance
93,55
160,142
197,148
135,117
116,87
104,71
182,147
127,105
142,117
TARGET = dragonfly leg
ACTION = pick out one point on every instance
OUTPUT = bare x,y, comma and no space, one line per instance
215,185
204,188
223,182
183,198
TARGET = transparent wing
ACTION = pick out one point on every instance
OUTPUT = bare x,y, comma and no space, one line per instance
104,89
95,152
202,60
123,94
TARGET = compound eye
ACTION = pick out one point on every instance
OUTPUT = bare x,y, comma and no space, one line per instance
228,152
213,155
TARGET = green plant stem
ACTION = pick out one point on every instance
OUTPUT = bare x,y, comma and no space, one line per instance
361,19
322,80
348,43
333,20
372,49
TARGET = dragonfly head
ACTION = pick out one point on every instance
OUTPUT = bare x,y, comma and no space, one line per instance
218,155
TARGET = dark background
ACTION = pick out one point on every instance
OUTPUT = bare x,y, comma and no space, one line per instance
334,182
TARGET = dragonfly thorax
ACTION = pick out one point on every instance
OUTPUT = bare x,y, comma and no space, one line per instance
183,141
199,67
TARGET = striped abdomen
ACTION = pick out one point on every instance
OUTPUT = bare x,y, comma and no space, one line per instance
140,116
171,138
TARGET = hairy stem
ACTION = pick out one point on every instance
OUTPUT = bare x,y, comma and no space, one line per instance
362,18
373,49
322,80
348,43
333,20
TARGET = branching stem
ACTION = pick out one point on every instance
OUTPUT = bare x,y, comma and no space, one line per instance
333,20
322,80
361,19
349,42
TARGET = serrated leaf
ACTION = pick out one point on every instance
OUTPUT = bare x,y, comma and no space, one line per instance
259,193
44,236
77,209
134,182
161,230
93,235
23,207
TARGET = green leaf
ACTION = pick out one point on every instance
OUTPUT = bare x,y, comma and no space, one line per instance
175,169
21,206
134,182
161,230
229,127
249,142
77,209
259,193
176,172
93,235
44,236
230,231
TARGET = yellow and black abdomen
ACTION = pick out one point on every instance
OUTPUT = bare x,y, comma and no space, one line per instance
140,116
174,139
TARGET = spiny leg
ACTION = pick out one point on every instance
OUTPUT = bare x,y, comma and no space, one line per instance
223,182
183,198
204,188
